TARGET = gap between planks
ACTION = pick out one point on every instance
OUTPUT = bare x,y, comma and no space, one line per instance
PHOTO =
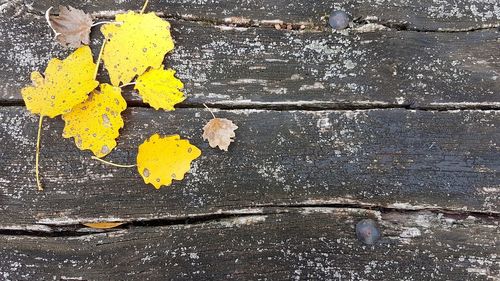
310,105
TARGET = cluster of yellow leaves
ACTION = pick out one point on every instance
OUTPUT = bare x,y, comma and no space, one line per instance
134,48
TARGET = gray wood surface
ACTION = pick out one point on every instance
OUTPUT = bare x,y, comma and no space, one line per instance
296,244
390,158
395,119
267,67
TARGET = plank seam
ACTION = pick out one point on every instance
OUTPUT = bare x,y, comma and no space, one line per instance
306,106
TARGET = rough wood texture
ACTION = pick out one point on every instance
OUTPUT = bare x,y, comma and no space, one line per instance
248,67
392,158
303,244
282,204
422,15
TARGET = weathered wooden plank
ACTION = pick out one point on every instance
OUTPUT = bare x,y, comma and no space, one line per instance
398,158
305,244
426,14
262,65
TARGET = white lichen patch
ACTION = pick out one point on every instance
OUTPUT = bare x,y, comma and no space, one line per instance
410,232
272,171
315,86
370,27
241,221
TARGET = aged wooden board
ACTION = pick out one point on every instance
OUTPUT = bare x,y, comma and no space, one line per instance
253,67
303,244
392,158
421,15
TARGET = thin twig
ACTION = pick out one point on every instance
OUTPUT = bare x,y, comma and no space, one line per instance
113,164
99,58
37,155
210,110
144,7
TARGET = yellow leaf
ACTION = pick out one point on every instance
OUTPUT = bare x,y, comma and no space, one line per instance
161,159
160,88
103,225
95,123
135,42
67,83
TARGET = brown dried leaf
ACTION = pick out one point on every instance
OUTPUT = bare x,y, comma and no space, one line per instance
72,26
219,132
103,225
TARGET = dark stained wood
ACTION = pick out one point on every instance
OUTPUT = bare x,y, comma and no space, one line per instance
305,244
283,203
393,158
425,14
257,66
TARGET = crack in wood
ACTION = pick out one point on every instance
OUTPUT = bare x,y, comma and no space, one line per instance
304,26
74,228
404,26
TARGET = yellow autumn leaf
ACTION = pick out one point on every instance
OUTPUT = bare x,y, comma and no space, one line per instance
103,225
162,159
134,43
160,88
95,123
66,83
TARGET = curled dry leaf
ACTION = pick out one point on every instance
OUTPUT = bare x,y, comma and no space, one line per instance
160,88
95,123
72,26
66,83
162,159
135,43
219,132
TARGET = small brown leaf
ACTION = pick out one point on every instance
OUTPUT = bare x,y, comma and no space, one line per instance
219,132
103,225
72,26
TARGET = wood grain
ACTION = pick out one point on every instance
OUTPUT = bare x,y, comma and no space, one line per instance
262,66
391,158
422,15
282,204
299,244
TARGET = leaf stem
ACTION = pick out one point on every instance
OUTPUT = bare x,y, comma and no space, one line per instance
99,58
211,112
47,18
144,7
37,155
128,84
105,22
113,164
